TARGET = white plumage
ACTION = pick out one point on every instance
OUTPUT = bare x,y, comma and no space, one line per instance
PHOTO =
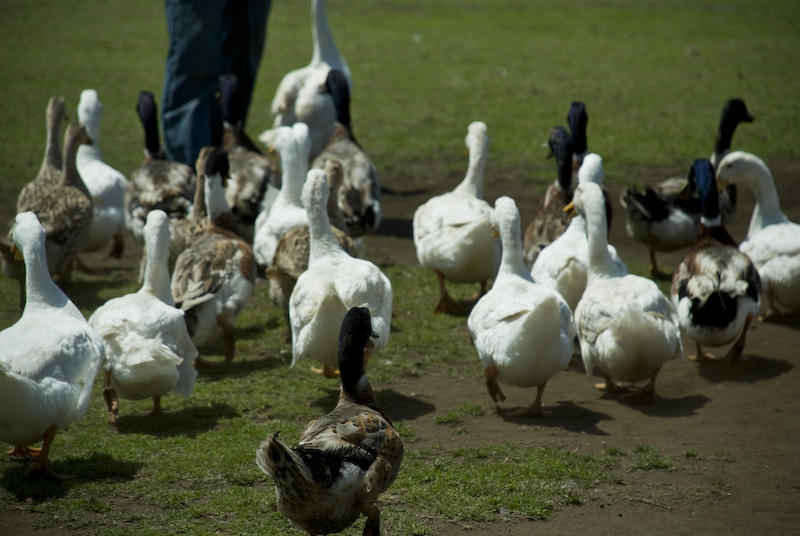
49,358
333,283
452,231
626,326
148,348
523,331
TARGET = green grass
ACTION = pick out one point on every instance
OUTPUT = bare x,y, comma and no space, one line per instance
515,64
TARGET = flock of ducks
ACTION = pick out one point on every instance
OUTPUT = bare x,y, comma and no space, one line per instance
208,231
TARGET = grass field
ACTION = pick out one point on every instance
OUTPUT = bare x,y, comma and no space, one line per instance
654,76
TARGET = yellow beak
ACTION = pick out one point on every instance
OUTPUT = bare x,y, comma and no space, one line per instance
17,253
494,231
570,209
722,184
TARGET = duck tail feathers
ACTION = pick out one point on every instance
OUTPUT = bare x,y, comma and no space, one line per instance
280,462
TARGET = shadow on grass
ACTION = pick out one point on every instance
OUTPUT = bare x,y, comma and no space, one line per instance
187,422
566,415
399,406
755,369
214,369
96,467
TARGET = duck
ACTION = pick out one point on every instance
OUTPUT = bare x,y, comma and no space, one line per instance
105,184
293,249
48,177
626,326
563,265
550,221
309,94
360,195
666,216
343,460
50,172
158,182
293,145
65,210
716,289
254,182
148,349
577,120
333,283
452,231
215,276
772,241
49,361
523,332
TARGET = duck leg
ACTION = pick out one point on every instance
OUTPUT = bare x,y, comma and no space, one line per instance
23,452
735,353
609,386
535,409
655,271
701,357
327,371
490,374
228,338
446,302
40,467
156,407
646,395
482,292
118,247
110,398
772,307
372,527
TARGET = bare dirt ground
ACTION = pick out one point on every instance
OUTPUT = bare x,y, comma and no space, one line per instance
744,428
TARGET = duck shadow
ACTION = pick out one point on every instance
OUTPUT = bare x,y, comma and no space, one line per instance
215,370
565,415
187,422
256,330
96,467
399,406
755,369
685,406
399,227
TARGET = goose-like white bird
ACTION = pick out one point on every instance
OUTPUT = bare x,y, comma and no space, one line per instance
716,289
452,231
345,459
626,326
148,349
105,184
308,95
523,331
49,360
215,276
158,183
333,283
772,242
293,145
563,265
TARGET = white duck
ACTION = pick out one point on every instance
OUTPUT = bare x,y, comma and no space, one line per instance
626,326
287,212
215,276
563,265
772,242
452,231
523,331
148,348
49,360
105,184
716,289
308,95
333,283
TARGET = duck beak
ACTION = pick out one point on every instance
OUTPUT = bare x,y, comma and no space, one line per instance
570,209
494,231
372,335
17,253
722,184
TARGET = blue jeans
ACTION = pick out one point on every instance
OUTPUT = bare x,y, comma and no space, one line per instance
208,38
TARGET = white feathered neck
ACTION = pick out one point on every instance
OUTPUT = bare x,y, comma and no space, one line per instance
214,192
325,50
315,199
156,274
293,146
477,142
90,112
590,203
507,222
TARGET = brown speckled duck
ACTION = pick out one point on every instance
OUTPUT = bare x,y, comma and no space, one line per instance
214,277
344,460
293,249
158,182
254,182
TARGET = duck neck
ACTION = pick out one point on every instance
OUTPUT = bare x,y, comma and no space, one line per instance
294,172
324,46
52,148
473,181
40,290
600,261
768,209
216,203
156,274
323,243
199,203
70,168
512,261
